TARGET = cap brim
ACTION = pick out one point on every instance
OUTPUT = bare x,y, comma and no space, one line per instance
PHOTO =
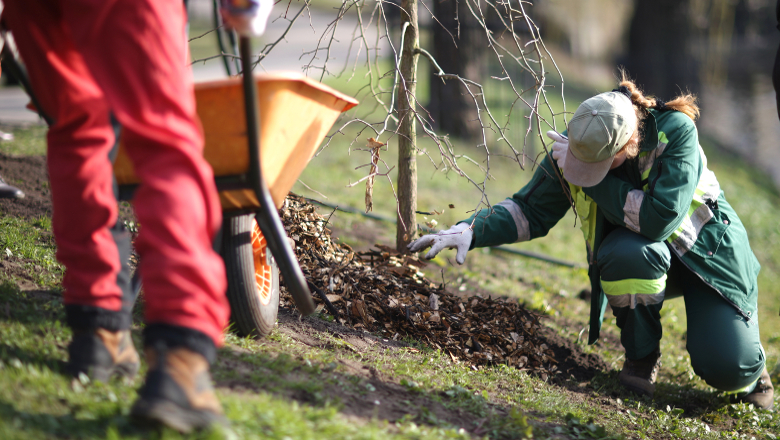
585,174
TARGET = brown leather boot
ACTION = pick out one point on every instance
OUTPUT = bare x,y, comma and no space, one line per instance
178,391
101,354
639,375
763,395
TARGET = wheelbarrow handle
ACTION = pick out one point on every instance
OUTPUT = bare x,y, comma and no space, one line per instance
267,217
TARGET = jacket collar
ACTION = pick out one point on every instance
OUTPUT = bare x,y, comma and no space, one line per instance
649,132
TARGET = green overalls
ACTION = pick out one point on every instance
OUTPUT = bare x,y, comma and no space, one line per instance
656,227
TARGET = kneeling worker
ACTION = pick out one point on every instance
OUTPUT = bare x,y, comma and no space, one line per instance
656,226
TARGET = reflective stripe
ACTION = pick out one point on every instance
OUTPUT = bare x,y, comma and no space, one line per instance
521,223
632,291
631,209
632,299
685,236
647,158
699,213
634,285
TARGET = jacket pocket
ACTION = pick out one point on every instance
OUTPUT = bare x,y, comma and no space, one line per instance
711,235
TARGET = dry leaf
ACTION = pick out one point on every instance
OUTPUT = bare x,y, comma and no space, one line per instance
385,292
433,301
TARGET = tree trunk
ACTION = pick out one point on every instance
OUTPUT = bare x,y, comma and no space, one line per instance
407,139
460,47
661,55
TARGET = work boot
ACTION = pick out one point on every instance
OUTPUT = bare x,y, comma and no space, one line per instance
101,354
9,192
178,391
763,395
639,375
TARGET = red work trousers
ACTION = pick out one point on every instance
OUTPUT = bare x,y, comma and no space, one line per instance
90,58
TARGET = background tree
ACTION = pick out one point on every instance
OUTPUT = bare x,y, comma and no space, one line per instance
460,46
660,53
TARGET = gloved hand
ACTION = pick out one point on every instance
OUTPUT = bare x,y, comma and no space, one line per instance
458,236
559,148
247,17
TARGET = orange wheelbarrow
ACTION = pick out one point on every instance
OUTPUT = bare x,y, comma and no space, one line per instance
256,161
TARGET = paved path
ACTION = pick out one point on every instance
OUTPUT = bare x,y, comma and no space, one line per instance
287,55
12,108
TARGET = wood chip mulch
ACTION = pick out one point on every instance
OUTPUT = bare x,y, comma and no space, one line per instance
385,293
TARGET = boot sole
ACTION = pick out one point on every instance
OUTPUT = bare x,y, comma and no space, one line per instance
640,389
104,374
169,414
637,390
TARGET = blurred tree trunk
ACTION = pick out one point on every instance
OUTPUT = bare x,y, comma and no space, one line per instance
407,137
461,50
661,55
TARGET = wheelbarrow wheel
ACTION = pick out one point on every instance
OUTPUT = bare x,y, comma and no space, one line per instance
252,275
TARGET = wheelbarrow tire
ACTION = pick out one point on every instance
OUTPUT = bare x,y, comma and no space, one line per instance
253,284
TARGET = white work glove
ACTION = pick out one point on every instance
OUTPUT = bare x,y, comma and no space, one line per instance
458,236
247,17
559,148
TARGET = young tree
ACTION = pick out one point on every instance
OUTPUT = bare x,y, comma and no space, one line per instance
391,111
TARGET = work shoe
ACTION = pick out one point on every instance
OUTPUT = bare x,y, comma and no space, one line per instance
9,192
178,391
101,354
639,375
763,395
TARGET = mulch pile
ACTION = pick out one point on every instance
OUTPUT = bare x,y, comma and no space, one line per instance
384,292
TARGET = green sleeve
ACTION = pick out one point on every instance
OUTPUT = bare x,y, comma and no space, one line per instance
670,186
528,214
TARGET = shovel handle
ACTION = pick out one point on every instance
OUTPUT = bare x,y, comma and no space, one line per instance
267,217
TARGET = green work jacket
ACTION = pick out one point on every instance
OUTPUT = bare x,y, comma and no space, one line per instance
666,193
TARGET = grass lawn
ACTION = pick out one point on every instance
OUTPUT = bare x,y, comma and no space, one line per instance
312,379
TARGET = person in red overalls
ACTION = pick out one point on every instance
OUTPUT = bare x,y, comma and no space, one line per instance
87,60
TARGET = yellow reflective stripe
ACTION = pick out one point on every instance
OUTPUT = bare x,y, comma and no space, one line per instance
647,158
634,286
688,232
687,224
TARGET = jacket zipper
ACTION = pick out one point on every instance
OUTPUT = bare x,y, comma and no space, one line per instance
733,304
660,170
528,196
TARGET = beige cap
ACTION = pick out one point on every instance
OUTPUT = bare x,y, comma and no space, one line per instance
599,129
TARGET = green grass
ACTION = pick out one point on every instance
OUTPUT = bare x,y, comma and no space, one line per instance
31,245
28,140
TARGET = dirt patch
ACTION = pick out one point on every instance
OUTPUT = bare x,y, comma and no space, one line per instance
572,362
28,174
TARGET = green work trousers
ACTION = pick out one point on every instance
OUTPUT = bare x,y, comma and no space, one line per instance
638,275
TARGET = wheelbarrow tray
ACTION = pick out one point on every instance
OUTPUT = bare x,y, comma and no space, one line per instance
295,115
